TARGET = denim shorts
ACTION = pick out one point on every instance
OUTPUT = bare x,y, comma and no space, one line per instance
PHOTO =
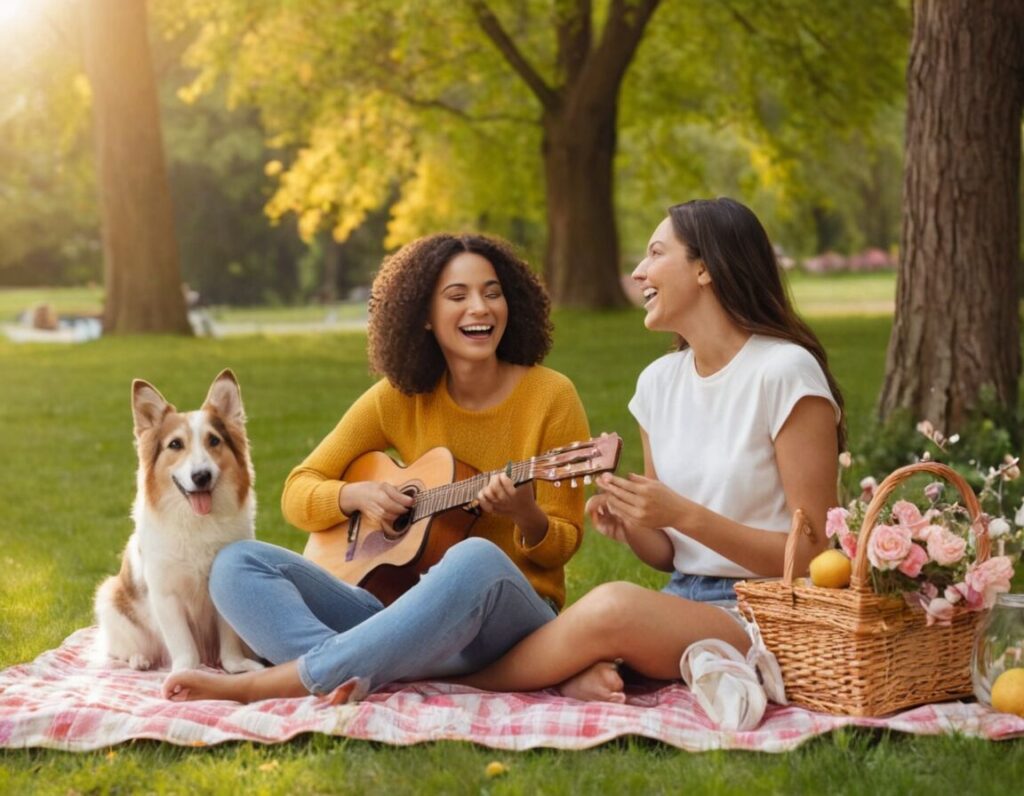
703,588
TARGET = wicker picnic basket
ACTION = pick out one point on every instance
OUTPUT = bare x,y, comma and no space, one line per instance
851,651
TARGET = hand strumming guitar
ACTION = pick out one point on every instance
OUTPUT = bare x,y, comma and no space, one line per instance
376,499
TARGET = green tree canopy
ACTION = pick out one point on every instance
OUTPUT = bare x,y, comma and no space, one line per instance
450,101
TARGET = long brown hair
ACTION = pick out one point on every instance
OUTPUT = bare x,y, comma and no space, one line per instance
729,239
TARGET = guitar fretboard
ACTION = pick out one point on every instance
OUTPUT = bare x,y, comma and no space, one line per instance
450,496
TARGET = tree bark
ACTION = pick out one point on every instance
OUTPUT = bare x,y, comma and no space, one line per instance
141,271
581,263
957,325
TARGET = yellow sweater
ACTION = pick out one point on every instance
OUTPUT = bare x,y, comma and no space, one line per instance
543,412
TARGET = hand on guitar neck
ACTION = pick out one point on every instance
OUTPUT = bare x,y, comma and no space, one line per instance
501,496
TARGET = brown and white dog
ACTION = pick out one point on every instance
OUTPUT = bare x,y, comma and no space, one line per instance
194,496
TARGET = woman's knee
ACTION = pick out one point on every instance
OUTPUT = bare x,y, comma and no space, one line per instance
609,607
477,555
474,565
232,560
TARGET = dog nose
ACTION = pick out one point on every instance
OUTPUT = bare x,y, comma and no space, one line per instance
201,478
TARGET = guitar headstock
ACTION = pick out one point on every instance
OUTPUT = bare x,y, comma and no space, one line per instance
581,459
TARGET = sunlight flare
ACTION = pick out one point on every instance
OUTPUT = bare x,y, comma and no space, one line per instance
15,11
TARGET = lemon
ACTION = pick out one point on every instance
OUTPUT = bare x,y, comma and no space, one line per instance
831,569
1008,692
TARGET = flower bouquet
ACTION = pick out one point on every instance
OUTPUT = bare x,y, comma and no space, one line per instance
867,650
927,555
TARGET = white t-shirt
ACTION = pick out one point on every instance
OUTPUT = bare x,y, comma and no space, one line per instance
712,438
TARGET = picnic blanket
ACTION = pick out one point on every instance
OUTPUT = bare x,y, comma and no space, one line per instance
65,700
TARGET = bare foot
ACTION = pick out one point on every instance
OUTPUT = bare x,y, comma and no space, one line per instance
277,681
599,683
350,691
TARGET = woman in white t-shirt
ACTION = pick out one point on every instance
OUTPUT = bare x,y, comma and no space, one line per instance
740,426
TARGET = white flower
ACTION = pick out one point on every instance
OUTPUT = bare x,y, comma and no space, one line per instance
954,439
1019,518
998,527
845,459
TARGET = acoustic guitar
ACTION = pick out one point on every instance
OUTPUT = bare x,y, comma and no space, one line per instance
388,560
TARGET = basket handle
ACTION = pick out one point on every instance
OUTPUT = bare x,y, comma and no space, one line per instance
799,527
859,577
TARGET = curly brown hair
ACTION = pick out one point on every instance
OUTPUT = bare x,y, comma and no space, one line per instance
403,350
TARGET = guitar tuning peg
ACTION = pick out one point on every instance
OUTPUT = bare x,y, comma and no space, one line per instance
572,483
557,484
588,480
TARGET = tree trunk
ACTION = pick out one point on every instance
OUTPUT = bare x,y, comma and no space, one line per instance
332,270
141,273
957,326
582,258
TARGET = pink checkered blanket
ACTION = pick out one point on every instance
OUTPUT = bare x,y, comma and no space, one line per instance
63,700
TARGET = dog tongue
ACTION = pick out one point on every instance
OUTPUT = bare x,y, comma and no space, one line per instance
201,502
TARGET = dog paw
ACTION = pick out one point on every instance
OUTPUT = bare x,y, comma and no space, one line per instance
140,662
185,662
239,665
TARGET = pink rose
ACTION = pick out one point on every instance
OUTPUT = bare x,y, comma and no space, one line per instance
908,515
990,578
916,558
849,545
934,490
945,547
911,518
973,600
938,612
888,546
953,595
835,523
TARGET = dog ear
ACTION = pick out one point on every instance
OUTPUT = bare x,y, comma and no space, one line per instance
225,397
148,406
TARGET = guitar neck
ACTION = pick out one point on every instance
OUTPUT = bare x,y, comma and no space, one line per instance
461,493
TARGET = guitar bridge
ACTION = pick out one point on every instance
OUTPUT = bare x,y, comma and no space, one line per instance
353,535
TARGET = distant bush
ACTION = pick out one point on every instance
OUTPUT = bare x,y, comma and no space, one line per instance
866,261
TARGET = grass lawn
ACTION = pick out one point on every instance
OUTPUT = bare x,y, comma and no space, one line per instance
68,482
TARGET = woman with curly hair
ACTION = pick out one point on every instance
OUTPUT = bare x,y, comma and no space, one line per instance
458,328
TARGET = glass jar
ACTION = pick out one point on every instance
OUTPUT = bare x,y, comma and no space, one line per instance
999,644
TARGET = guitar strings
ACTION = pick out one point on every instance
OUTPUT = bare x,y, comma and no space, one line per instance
462,493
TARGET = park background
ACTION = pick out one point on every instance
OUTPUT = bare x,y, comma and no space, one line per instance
270,152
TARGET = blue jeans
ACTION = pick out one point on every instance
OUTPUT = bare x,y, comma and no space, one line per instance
464,613
702,588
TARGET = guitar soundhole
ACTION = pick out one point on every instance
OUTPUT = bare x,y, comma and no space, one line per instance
401,525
